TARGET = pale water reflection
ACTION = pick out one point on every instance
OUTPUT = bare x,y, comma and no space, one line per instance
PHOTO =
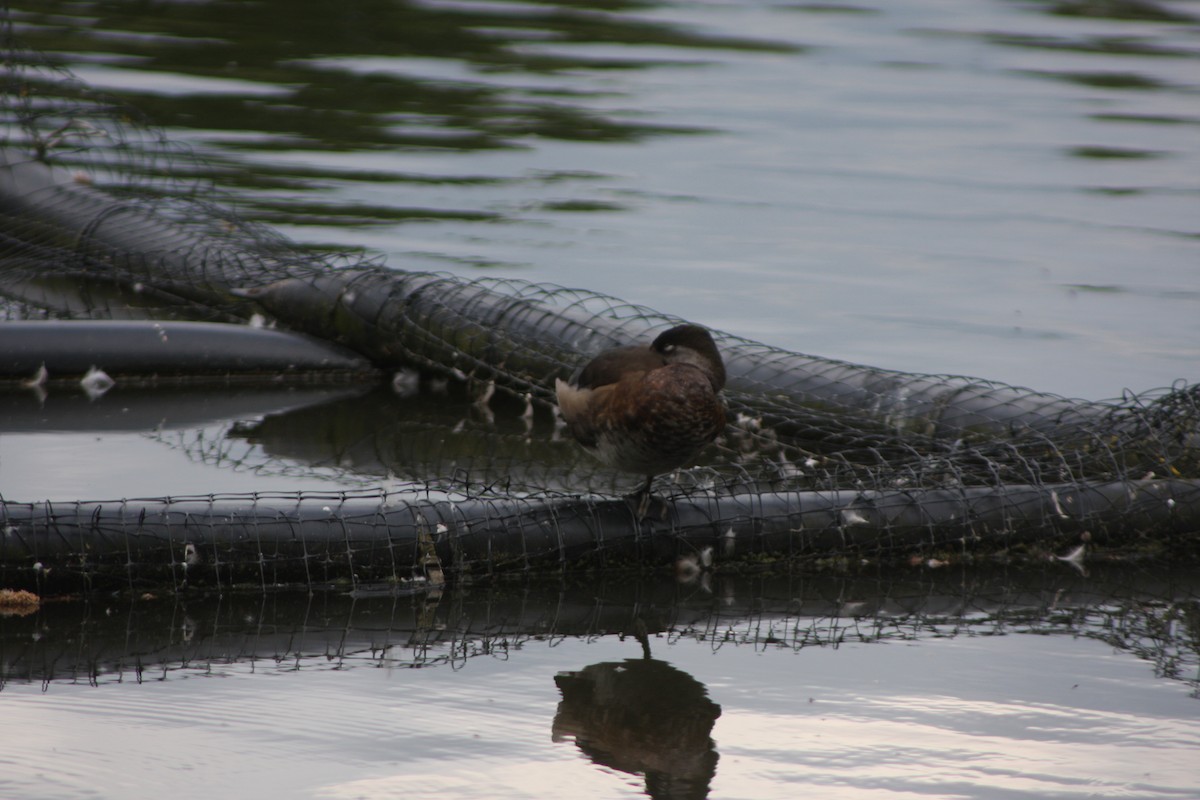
922,684
874,721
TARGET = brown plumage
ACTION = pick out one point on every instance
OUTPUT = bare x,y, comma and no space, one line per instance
648,409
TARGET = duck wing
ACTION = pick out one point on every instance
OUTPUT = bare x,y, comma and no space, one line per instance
608,367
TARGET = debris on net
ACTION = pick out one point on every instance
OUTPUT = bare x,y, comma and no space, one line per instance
426,535
825,458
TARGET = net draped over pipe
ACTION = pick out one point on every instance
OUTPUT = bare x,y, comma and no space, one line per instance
824,458
419,535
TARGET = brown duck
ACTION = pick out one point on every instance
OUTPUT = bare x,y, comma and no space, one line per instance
648,409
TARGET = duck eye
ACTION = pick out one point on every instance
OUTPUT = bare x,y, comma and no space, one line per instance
668,348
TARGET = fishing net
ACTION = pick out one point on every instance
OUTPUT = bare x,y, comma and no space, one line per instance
102,218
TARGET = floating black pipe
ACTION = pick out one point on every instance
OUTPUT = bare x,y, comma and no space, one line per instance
270,540
166,349
521,335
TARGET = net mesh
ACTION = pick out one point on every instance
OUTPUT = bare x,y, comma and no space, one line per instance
1152,614
103,218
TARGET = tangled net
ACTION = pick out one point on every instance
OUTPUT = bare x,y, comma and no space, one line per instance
103,218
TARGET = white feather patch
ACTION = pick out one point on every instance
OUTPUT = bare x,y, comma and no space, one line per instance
572,401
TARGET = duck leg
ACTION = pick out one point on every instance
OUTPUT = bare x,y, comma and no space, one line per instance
644,502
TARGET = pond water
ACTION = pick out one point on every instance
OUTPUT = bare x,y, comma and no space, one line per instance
1006,189
1003,189
1042,683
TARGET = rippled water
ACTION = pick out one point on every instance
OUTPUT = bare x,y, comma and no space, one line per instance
1002,189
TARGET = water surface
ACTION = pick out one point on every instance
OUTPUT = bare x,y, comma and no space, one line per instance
1002,189
928,683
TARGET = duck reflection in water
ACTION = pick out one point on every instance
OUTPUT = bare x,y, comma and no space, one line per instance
642,716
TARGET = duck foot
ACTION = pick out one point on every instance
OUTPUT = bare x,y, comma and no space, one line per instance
644,500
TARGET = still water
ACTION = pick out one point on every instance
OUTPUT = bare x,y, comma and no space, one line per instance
997,188
1040,683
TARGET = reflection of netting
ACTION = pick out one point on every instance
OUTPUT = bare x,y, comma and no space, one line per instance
102,218
442,438
1146,615
226,450
1155,617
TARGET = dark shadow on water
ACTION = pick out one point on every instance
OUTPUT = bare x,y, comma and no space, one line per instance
366,75
260,82
1103,80
417,429
1109,153
1139,10
644,717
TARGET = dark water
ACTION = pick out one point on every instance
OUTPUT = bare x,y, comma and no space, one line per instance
1002,189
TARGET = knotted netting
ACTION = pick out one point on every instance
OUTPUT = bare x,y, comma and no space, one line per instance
103,218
